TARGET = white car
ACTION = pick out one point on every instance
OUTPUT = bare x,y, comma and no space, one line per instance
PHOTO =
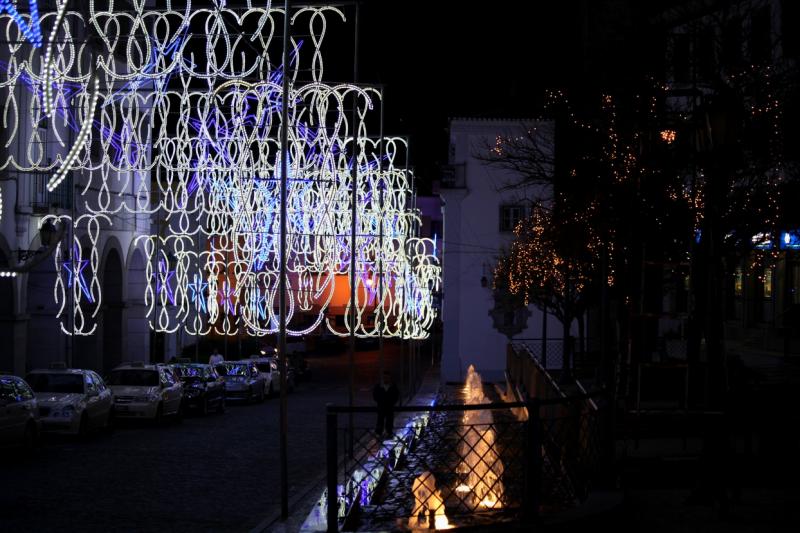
269,366
71,400
243,380
145,391
268,370
19,413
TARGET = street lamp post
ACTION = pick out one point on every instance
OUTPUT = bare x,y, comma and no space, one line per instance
284,480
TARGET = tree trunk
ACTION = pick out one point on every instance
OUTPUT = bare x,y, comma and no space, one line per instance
581,338
567,348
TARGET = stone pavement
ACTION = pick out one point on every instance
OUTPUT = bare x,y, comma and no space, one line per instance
214,473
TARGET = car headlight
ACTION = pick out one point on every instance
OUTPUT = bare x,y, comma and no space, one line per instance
154,397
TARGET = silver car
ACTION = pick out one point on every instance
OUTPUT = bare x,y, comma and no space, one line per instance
269,365
19,413
71,400
143,390
243,380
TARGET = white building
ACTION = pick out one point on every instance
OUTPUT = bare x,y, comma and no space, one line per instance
31,333
479,221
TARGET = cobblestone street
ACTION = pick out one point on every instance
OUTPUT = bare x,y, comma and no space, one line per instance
214,473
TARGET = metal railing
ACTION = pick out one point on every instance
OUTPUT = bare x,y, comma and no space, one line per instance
527,372
473,464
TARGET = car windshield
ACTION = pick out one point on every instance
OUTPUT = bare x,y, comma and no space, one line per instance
233,369
189,372
67,383
134,378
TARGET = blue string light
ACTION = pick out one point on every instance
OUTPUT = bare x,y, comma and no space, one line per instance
32,33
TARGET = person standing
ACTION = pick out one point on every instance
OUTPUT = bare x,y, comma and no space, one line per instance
386,395
215,358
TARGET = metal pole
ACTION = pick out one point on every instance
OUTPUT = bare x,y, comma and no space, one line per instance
71,342
332,512
544,338
533,460
380,245
403,369
282,281
197,294
353,247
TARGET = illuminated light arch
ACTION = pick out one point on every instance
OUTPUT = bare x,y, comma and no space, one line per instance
214,151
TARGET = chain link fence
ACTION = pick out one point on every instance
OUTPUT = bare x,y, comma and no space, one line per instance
462,465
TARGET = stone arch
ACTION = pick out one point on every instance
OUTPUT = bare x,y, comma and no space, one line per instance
112,308
7,316
46,343
112,245
138,337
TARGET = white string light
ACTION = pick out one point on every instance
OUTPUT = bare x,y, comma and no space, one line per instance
214,154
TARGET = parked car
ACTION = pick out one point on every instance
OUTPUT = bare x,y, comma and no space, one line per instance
71,400
19,413
203,387
243,380
146,391
296,356
269,364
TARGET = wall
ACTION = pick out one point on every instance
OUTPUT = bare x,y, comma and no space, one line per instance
471,246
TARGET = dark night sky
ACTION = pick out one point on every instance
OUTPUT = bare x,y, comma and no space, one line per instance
439,59
442,58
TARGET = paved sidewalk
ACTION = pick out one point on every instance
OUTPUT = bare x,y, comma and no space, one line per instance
302,504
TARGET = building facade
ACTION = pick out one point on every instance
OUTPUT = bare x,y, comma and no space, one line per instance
480,216
39,324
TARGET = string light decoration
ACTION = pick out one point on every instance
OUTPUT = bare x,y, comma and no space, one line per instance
551,263
196,104
30,29
668,136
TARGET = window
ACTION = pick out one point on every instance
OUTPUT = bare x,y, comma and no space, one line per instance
738,282
761,36
23,391
680,57
134,378
767,282
7,392
91,386
167,378
65,383
511,215
101,385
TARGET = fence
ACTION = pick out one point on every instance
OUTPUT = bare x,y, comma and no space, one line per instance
549,352
526,370
473,464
